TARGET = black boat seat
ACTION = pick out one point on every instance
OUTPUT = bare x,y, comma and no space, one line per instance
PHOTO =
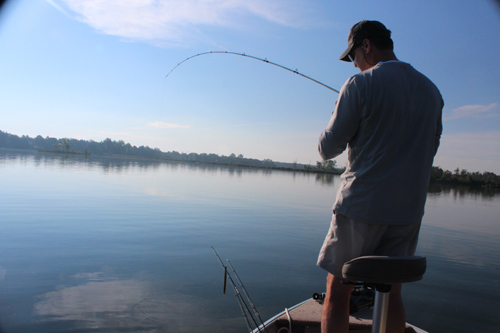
385,270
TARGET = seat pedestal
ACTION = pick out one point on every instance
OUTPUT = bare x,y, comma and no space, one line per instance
381,272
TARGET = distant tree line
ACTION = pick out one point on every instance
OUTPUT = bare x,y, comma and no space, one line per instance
487,179
111,147
438,175
329,166
64,147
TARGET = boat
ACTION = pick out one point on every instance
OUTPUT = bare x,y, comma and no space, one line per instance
372,276
305,317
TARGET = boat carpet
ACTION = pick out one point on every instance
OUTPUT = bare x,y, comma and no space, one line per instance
306,318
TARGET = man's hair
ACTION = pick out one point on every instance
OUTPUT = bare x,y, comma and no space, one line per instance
382,42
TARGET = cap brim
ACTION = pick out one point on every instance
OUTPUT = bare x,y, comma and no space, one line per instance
345,55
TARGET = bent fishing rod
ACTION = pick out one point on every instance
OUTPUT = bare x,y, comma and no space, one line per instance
256,58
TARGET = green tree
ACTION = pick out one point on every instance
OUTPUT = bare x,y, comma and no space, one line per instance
65,144
330,165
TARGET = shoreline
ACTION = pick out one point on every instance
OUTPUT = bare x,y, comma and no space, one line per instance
62,152
314,170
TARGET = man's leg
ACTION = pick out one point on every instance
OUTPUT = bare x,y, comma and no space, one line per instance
396,318
335,317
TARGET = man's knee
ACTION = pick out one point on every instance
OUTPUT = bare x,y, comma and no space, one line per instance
337,288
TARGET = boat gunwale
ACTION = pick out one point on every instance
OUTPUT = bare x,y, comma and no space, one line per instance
271,320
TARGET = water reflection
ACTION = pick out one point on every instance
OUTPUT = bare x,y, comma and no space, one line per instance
115,164
102,303
96,304
125,164
460,191
326,178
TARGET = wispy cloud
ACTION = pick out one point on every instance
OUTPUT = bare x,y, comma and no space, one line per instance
476,111
59,8
177,21
159,124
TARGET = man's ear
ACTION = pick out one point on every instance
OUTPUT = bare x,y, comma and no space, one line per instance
366,45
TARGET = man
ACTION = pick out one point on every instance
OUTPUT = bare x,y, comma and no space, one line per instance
389,116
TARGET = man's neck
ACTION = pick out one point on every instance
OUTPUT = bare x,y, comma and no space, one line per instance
383,56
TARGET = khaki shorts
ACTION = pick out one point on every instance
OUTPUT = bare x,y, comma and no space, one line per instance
348,239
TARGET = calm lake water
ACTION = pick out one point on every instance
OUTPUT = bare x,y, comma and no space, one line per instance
119,245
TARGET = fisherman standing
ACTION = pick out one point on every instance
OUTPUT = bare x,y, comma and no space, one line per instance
389,117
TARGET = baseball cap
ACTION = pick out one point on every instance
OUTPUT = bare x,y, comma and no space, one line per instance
362,30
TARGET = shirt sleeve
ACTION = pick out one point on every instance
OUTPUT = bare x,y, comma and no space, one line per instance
439,130
343,123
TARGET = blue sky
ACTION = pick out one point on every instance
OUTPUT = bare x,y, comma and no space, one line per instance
91,69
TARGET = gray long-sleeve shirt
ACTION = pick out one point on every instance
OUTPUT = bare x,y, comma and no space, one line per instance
390,118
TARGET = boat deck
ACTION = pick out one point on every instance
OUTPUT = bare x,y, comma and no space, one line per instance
306,318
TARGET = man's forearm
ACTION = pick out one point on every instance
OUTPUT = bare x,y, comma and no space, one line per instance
328,147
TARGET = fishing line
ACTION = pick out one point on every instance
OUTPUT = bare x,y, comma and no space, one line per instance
256,58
